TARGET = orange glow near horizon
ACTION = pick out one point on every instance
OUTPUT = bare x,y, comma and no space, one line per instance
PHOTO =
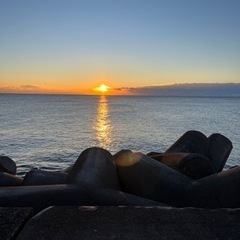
83,89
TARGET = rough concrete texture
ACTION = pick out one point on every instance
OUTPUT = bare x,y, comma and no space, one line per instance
12,220
92,222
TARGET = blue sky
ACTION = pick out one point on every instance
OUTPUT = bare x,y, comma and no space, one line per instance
70,44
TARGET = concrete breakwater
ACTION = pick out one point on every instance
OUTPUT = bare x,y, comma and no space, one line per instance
188,174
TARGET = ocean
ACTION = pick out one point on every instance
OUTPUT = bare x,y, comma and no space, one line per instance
50,131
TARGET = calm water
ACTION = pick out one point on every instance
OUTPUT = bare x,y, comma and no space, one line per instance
50,131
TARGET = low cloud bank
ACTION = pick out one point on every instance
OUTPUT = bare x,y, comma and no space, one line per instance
21,89
188,89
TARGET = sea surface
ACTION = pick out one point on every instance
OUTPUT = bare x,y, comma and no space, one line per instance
50,131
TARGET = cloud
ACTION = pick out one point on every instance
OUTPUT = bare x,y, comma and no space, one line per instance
22,89
125,89
30,87
187,89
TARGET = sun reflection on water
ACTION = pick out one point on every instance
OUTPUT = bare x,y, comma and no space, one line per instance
102,124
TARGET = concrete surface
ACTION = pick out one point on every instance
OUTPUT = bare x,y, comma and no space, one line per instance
92,222
12,220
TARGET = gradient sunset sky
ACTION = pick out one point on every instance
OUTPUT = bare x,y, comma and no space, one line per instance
73,46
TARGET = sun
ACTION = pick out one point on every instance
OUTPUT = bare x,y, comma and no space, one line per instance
102,88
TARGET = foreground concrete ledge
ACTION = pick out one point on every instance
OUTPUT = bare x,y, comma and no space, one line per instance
124,222
12,220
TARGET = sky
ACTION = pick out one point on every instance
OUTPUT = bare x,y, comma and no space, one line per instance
73,46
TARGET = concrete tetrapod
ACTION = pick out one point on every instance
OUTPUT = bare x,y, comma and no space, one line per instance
190,142
40,197
219,149
95,168
143,176
192,165
40,177
121,153
98,188
220,190
7,165
7,179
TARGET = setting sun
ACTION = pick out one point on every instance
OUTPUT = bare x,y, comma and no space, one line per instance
102,88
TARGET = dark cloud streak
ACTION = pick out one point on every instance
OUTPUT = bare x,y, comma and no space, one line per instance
188,89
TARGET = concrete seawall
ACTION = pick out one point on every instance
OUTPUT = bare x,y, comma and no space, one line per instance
120,222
